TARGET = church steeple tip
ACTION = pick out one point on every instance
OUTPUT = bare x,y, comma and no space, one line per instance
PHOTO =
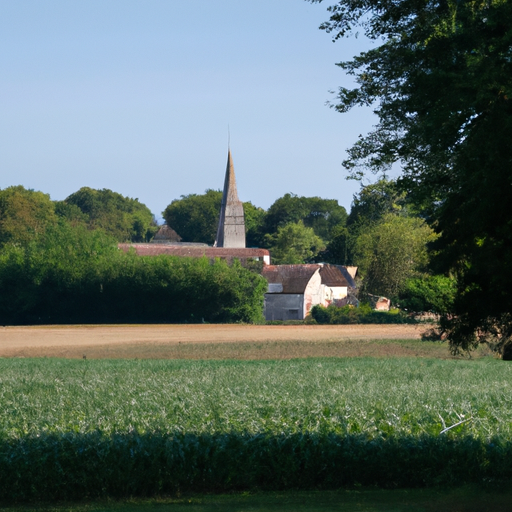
231,228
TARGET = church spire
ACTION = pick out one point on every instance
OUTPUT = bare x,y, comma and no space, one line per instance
231,229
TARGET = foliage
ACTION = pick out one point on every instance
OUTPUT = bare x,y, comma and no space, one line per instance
441,81
72,275
428,293
391,252
24,214
369,206
195,217
254,217
73,428
126,219
376,200
294,243
320,214
360,315
339,248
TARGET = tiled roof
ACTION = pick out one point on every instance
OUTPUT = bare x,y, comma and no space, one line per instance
194,251
333,276
347,274
294,278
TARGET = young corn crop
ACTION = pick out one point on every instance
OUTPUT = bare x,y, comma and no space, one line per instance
88,428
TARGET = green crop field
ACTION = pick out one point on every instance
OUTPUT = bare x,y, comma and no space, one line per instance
74,429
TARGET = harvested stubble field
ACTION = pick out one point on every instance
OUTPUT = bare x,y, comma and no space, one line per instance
218,341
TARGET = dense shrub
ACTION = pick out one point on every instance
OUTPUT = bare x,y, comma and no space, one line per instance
361,315
72,275
431,293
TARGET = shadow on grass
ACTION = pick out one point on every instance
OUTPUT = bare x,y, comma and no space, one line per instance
74,467
462,499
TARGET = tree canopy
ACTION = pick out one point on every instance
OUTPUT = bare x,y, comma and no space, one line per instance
392,251
24,214
294,243
320,214
376,200
127,219
439,78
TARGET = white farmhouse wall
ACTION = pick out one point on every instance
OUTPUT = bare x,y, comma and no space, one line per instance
313,293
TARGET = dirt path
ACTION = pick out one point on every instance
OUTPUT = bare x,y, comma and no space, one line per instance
119,340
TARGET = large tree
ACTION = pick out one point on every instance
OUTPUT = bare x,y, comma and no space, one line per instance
390,252
124,218
24,214
294,243
195,218
369,206
439,78
323,215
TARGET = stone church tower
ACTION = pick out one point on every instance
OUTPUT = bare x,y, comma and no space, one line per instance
231,230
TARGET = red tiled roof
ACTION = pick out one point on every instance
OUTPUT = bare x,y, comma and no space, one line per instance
194,251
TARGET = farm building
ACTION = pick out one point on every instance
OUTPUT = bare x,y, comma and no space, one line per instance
294,289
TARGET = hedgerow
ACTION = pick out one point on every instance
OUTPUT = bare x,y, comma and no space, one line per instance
360,315
71,275
78,429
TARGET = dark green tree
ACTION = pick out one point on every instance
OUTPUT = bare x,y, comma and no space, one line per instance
369,206
294,243
320,214
440,81
339,250
254,218
127,219
376,200
195,218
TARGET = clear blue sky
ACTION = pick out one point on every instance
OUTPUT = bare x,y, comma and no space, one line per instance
137,96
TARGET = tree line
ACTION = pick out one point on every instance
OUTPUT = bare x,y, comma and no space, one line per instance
59,263
384,235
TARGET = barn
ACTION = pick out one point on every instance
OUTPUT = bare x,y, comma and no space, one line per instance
294,289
